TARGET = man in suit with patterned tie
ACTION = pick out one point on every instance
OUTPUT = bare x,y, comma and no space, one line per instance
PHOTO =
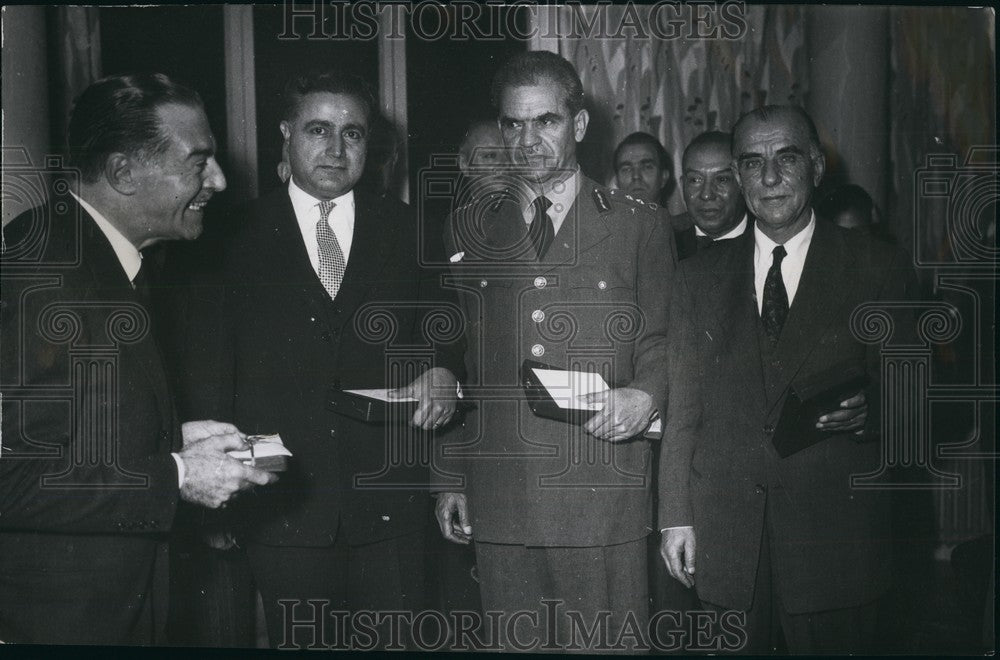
323,289
715,207
780,539
93,460
560,270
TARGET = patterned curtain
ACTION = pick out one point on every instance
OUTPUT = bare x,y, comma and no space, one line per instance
943,101
678,88
943,106
76,37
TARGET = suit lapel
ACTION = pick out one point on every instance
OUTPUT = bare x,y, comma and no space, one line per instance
374,236
286,253
583,228
817,301
111,283
736,313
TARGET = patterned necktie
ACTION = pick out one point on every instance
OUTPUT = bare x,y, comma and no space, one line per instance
774,309
541,229
331,257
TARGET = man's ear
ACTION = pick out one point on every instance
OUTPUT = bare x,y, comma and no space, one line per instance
580,123
119,171
819,167
286,130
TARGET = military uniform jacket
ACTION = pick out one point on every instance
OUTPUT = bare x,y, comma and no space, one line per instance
597,301
719,470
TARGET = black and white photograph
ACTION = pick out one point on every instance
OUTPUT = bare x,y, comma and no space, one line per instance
513,327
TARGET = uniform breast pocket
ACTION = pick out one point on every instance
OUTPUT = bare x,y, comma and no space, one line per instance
595,312
600,286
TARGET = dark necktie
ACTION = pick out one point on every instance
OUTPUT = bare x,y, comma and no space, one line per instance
141,284
774,309
703,242
331,257
541,230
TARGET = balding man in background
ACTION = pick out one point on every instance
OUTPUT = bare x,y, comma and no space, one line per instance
715,207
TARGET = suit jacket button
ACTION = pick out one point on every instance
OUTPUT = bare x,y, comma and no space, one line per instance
538,350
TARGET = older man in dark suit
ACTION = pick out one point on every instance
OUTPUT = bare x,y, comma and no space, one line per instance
88,485
322,289
561,271
779,537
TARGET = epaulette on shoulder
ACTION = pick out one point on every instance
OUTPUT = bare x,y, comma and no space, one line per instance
492,200
632,205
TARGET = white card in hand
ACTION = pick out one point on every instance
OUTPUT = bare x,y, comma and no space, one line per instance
380,395
264,446
565,386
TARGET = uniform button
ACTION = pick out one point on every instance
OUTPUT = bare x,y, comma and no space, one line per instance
759,489
538,350
333,433
540,282
538,316
482,284
769,428
602,285
385,518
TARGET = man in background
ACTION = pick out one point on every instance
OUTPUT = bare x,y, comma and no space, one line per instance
715,207
643,169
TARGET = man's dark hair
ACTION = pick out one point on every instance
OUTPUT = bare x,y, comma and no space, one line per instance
794,112
643,138
118,114
708,139
534,67
331,81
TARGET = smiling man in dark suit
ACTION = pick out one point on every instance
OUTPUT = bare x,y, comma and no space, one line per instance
88,485
320,287
780,538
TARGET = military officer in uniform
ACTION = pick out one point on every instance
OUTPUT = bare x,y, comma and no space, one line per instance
557,269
